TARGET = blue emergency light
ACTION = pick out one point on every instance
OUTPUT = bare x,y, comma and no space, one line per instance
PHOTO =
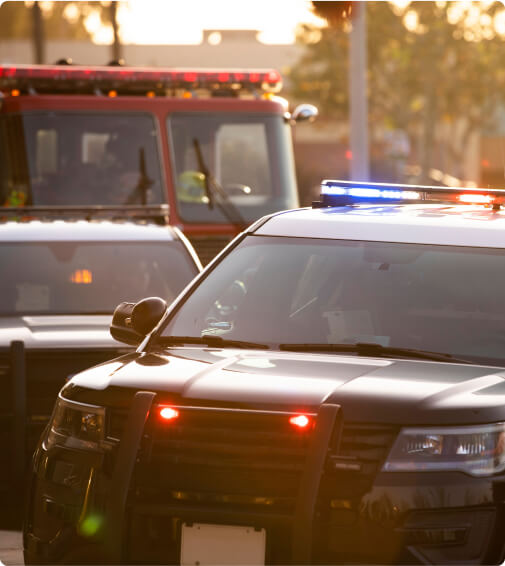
341,193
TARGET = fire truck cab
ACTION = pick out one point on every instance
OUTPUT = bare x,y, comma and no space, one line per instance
213,144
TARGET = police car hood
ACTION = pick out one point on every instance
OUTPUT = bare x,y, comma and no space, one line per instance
367,389
58,331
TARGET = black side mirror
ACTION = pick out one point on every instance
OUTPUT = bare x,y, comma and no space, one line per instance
147,313
132,322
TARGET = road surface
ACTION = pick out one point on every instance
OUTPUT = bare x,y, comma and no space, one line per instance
11,548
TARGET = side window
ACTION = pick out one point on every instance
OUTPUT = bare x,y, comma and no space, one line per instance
94,147
46,152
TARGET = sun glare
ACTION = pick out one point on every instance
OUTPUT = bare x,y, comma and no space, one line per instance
160,22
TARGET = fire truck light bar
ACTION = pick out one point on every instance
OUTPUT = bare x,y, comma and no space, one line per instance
340,193
55,77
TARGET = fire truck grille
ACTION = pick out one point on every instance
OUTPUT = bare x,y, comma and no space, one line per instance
247,460
207,248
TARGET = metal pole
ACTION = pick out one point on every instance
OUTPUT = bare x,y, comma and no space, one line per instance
358,96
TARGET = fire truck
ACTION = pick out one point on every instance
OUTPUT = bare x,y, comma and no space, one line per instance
213,144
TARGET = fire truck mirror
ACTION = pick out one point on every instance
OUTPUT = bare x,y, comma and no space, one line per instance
304,113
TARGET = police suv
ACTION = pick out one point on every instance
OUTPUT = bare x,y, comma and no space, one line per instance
331,389
63,270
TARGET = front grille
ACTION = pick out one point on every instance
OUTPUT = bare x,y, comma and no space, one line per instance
247,459
222,457
352,469
207,248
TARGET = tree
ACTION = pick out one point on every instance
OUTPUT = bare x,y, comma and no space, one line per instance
48,20
434,70
116,43
334,12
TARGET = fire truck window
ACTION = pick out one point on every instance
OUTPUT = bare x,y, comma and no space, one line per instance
242,159
93,147
249,162
47,152
92,158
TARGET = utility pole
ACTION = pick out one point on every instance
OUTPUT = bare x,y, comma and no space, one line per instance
358,95
38,34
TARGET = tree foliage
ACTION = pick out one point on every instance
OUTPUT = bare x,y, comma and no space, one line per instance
62,20
430,63
334,12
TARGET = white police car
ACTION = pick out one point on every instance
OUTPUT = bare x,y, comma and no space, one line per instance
61,277
331,389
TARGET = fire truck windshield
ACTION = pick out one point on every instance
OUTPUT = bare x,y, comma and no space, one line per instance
79,159
248,156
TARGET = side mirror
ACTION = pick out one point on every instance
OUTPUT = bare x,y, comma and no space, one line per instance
304,113
132,322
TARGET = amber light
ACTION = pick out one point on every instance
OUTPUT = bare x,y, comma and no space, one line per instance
82,276
300,421
169,414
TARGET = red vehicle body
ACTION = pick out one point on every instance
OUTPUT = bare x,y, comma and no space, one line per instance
214,145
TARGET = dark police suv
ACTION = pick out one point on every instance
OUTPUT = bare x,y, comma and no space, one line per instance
331,389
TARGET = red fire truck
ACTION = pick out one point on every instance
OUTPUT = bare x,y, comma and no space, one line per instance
213,144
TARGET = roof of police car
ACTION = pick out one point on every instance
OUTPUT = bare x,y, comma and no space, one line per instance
458,225
83,230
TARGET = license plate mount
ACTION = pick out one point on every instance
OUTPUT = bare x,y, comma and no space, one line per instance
203,544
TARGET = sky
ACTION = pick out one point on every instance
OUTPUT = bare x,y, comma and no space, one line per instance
175,21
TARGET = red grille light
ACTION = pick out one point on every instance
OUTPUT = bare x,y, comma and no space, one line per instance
169,414
300,421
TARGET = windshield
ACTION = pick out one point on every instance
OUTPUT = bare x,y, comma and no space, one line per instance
85,278
248,155
83,158
308,291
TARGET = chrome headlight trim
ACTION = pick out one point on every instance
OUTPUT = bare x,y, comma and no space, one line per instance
478,450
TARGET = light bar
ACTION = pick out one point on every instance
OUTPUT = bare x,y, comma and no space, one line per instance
152,211
340,193
53,78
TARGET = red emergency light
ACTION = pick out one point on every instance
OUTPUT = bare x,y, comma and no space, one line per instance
169,414
132,80
300,421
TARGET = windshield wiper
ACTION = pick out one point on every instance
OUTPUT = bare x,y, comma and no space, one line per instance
143,183
374,350
212,341
213,188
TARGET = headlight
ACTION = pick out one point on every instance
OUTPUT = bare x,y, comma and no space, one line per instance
476,450
76,425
